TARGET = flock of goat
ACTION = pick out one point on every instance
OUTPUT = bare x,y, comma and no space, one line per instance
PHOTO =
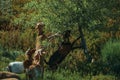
33,70
33,66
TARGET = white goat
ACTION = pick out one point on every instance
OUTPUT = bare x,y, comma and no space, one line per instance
19,67
16,67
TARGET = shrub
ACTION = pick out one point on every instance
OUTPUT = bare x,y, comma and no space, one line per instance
7,56
111,55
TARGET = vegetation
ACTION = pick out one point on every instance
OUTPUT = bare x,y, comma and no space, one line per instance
111,56
97,20
68,75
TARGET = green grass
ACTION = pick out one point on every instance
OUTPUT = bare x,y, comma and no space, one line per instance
22,76
62,74
103,77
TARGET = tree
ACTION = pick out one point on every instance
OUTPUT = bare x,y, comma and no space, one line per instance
76,15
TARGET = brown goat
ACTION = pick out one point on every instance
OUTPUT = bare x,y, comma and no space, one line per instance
59,55
8,75
36,70
37,61
28,62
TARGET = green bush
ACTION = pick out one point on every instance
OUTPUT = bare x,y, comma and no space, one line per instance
111,55
7,56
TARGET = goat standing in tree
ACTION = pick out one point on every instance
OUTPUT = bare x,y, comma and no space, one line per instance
38,58
63,50
40,39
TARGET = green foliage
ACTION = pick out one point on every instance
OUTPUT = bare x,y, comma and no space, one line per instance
111,51
7,56
66,74
111,55
6,7
60,15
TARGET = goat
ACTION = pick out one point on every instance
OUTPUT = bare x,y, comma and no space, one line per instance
38,56
36,70
8,76
19,67
59,55
64,49
16,67
28,62
29,53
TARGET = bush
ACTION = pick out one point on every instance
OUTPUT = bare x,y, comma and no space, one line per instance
7,56
111,55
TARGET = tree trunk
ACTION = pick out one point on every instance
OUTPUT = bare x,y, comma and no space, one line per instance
83,44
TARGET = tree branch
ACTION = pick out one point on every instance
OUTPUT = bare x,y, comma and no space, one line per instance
76,47
75,40
53,36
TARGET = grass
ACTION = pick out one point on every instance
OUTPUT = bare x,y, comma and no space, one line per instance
70,75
